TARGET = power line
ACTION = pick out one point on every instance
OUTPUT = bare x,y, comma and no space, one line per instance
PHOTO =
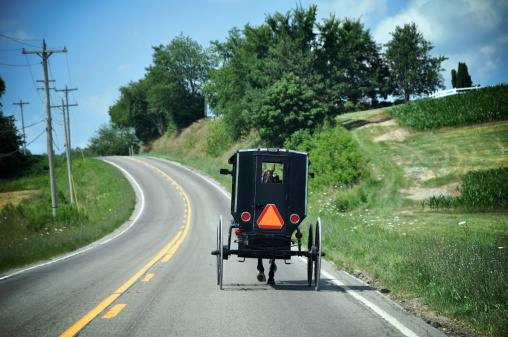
19,40
18,150
18,65
33,80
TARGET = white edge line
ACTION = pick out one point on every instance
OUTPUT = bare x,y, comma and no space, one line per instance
390,319
93,245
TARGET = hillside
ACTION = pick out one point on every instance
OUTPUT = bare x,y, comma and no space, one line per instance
393,239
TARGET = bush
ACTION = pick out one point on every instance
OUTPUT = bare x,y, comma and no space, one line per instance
335,158
218,139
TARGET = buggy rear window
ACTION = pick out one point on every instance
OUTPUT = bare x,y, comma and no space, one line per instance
272,173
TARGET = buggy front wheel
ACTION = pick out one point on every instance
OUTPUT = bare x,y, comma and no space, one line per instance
220,248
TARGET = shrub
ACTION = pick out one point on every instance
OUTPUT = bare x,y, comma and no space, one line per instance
335,158
218,139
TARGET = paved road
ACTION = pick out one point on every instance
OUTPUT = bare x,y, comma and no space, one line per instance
155,276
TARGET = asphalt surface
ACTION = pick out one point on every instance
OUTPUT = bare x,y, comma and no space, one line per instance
155,276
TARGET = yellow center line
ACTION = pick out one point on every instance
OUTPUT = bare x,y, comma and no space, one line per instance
114,311
148,277
171,245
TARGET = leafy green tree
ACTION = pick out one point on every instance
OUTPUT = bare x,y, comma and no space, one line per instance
111,140
414,71
461,79
12,161
169,96
131,110
351,62
290,105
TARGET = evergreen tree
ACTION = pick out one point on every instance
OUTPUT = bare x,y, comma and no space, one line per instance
461,78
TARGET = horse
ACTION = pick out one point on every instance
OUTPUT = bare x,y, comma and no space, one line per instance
267,177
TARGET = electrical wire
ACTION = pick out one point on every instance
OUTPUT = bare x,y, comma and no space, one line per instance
33,80
18,150
17,65
19,40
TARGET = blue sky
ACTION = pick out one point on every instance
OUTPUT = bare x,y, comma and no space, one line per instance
109,44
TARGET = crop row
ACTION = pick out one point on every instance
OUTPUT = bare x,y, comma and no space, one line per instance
473,107
481,190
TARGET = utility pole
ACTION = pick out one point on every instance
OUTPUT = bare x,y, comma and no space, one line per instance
68,118
45,54
22,124
68,152
67,147
67,130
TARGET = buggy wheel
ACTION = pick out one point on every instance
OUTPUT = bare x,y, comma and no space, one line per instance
309,256
219,256
317,268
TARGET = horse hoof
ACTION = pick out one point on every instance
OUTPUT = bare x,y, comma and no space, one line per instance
271,281
261,277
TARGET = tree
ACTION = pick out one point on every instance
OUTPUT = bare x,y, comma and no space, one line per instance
12,161
131,111
111,140
413,71
461,79
169,96
351,60
290,105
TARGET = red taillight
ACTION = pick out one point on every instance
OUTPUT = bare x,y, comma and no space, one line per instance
238,232
294,218
245,216
299,235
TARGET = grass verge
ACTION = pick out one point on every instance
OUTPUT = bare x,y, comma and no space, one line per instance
29,232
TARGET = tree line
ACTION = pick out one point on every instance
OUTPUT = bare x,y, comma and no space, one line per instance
284,78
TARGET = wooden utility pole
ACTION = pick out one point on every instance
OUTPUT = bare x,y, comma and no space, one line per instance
67,147
45,54
22,124
68,118
67,130
68,152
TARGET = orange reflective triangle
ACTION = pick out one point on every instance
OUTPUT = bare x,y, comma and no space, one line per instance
270,218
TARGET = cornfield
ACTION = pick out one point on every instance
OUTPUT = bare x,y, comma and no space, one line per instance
473,107
480,190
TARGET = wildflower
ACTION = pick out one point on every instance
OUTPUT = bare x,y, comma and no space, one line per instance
404,234
462,223
500,247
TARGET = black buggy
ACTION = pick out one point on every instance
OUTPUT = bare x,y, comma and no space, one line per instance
268,204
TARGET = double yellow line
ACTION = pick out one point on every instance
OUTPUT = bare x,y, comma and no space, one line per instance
167,252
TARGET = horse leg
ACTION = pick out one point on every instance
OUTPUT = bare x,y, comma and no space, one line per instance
271,273
261,271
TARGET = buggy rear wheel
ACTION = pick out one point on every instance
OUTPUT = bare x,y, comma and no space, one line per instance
220,248
309,256
317,267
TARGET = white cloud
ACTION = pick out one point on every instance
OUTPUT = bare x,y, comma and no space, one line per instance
124,67
471,31
366,10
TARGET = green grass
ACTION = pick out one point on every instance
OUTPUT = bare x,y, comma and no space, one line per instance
451,262
29,232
